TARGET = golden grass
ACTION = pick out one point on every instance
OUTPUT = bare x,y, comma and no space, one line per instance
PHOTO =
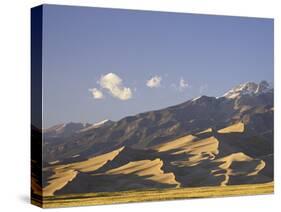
154,195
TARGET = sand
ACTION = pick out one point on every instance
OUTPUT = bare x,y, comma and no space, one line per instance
191,145
238,164
148,168
239,127
175,144
64,174
209,130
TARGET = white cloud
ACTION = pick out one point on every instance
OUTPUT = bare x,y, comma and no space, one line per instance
154,82
96,93
113,84
183,84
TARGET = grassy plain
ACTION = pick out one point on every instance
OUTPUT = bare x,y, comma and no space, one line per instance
153,195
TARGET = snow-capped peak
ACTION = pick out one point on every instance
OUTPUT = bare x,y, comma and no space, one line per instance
249,88
96,125
196,98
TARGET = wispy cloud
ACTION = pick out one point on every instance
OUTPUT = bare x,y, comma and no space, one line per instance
114,85
96,93
203,88
154,82
183,84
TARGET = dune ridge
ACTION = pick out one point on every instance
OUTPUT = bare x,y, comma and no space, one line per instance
206,146
147,168
175,144
63,174
238,127
237,164
191,145
208,130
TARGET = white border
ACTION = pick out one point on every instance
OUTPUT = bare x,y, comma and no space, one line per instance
15,100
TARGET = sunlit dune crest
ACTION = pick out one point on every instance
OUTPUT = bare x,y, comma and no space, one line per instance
58,181
66,173
239,128
238,164
96,162
149,168
206,145
177,143
209,130
191,145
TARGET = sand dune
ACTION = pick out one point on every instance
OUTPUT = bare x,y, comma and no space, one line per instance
203,146
232,169
239,127
95,163
66,173
58,181
191,145
209,130
191,161
201,166
177,143
237,164
150,168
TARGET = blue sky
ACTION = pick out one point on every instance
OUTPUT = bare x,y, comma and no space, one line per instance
107,64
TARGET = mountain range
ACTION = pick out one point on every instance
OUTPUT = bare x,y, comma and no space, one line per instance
205,141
